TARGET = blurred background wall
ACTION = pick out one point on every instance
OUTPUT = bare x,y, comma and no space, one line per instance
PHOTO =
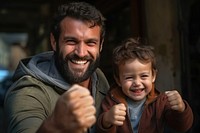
171,26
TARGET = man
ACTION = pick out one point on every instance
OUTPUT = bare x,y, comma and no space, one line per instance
52,90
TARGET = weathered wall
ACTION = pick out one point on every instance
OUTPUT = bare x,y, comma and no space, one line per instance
161,24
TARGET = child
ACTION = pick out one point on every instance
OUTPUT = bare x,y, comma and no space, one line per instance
133,105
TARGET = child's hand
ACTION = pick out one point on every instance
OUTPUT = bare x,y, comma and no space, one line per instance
115,116
175,100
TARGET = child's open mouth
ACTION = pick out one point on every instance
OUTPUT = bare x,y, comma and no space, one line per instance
137,91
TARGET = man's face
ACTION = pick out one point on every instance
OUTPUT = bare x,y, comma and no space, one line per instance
78,51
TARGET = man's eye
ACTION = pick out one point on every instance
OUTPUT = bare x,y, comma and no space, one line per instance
91,43
70,42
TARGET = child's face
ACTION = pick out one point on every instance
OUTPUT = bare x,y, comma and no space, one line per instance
136,79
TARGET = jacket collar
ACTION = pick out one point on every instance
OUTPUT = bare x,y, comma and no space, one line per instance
118,96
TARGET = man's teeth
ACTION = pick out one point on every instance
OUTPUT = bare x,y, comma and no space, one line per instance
79,61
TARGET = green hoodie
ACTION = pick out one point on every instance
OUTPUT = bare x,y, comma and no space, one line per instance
38,85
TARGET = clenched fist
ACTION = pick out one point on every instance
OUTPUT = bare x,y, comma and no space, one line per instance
115,116
175,100
74,112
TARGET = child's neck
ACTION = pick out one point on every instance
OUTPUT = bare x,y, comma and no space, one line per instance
135,103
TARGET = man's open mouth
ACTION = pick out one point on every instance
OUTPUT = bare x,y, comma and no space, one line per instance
79,62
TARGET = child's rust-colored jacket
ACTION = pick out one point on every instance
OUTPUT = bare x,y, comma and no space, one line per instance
156,114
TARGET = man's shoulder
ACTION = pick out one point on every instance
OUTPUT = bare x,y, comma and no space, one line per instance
102,80
26,81
28,89
102,85
28,85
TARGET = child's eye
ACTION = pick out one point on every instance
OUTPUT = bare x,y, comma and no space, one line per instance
144,76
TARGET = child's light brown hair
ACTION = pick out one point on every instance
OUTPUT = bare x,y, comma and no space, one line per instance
132,48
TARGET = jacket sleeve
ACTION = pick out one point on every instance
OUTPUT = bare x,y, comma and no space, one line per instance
180,121
26,106
107,103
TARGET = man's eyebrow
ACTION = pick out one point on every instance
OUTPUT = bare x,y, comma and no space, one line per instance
69,38
92,39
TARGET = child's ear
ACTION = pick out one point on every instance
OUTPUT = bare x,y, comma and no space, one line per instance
117,81
154,74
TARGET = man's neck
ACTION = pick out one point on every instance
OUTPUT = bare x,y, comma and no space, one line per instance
86,83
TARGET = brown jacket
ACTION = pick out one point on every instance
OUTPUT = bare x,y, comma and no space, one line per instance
156,115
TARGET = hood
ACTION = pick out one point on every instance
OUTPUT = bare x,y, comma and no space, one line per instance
116,93
41,67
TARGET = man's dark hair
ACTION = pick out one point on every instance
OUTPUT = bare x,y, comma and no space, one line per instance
81,11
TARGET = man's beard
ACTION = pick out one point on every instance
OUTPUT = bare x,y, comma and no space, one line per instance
75,76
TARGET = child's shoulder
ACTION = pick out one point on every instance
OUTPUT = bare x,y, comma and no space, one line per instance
158,105
161,97
161,100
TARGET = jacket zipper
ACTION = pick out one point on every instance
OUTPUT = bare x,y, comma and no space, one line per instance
145,106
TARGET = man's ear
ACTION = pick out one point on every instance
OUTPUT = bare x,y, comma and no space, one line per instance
53,42
117,81
101,45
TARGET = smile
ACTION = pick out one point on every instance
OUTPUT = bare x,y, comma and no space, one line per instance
137,90
79,62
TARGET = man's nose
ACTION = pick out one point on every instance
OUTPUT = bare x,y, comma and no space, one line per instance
81,49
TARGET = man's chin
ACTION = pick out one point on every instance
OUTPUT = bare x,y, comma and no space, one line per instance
76,77
78,73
